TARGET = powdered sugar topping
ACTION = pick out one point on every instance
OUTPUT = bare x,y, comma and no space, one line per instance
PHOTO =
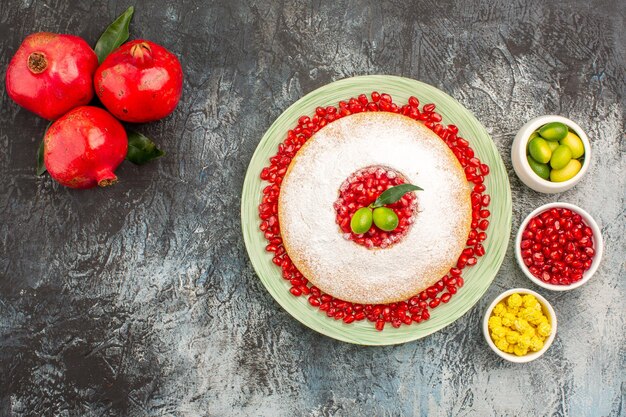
350,271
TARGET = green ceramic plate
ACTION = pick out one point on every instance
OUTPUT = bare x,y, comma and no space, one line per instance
477,278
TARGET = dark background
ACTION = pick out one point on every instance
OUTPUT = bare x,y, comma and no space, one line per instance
139,299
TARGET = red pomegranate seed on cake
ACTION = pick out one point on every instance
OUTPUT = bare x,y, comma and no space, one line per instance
361,189
396,313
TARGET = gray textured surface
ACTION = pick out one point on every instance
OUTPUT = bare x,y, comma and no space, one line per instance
139,299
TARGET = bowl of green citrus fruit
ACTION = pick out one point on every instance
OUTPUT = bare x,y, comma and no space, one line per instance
551,154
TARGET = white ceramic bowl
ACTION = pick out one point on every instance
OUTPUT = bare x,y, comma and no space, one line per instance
520,161
548,311
598,246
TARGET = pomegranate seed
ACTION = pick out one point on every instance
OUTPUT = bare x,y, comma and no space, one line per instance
434,302
455,272
561,248
295,291
462,143
362,188
349,319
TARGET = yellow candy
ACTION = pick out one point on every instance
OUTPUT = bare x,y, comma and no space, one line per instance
524,313
512,337
544,329
513,310
536,344
499,309
514,301
535,306
530,315
529,300
530,332
510,349
534,318
502,345
520,325
523,342
494,321
498,333
508,319
520,351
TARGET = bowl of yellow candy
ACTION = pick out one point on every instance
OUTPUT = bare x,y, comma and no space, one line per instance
520,325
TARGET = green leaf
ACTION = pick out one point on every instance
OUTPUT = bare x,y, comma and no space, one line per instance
115,35
393,194
141,149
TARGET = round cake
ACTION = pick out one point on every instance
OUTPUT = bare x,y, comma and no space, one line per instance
439,225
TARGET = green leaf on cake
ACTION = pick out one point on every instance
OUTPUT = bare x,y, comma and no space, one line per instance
394,194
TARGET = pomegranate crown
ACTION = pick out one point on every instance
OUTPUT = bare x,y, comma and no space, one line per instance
141,51
37,62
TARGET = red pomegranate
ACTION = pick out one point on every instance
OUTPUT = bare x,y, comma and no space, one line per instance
84,147
140,82
51,74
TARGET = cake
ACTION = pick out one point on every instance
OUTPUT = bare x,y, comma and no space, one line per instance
381,142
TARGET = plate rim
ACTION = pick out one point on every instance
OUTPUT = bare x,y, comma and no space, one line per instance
377,83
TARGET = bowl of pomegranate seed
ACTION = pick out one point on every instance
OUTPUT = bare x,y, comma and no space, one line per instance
551,154
559,246
519,325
